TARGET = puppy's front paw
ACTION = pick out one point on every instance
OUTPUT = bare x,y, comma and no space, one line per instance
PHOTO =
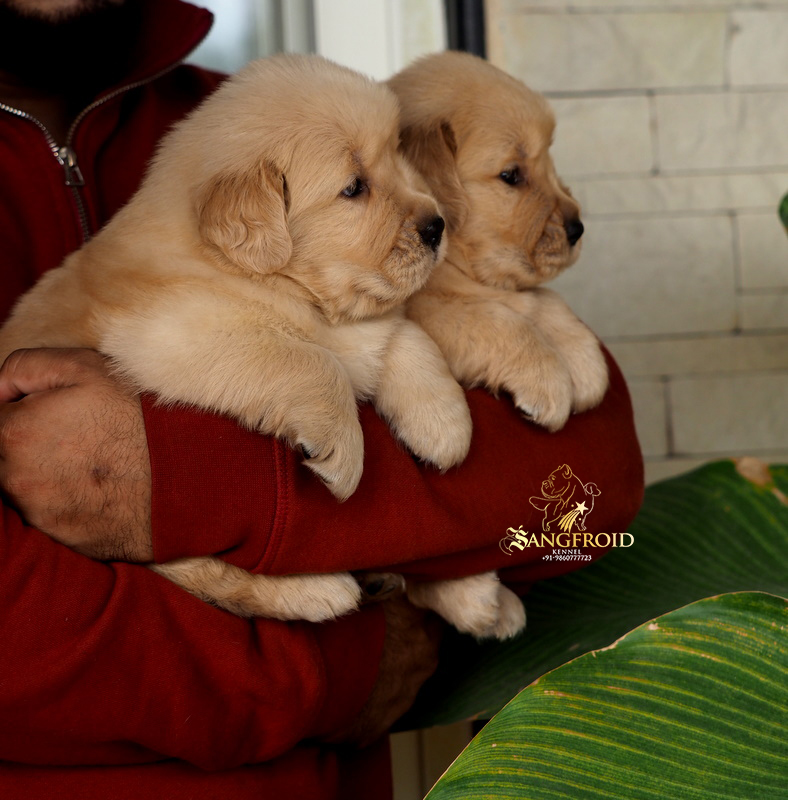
423,403
437,429
337,457
478,605
575,345
590,379
542,389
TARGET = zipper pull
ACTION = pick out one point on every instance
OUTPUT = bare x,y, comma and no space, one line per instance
68,159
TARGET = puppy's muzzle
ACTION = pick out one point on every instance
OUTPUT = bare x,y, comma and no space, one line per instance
432,232
574,230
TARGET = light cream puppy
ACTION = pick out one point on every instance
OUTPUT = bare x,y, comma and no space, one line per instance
260,272
481,140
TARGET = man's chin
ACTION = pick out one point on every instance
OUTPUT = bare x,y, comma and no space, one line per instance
56,10
66,44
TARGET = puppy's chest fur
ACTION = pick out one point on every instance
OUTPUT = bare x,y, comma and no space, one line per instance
360,346
361,349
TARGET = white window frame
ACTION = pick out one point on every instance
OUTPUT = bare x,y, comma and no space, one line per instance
373,36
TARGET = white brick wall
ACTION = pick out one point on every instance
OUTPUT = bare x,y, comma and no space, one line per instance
673,134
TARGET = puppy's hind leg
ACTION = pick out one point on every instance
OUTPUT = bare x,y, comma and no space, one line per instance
423,403
479,604
288,597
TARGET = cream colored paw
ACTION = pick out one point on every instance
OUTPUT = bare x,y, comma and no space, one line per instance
337,458
438,431
542,389
511,614
478,605
316,598
287,597
590,377
576,345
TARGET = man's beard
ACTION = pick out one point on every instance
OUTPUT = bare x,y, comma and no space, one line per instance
82,53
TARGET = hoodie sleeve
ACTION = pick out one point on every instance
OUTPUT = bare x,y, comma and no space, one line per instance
111,664
219,489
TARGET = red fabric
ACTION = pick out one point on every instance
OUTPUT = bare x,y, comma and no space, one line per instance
428,524
106,669
108,665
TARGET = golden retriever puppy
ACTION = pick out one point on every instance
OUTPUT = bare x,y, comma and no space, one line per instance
481,140
260,272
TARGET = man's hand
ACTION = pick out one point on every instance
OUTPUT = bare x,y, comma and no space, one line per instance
73,453
410,656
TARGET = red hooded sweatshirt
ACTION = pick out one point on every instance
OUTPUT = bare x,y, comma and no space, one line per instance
116,684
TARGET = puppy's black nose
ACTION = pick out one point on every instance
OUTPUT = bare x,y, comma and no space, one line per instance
574,230
432,232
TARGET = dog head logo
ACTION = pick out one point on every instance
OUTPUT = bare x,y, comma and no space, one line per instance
566,501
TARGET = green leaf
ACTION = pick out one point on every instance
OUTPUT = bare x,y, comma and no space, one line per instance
784,212
691,705
705,533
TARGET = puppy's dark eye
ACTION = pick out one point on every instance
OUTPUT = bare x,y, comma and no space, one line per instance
354,188
512,176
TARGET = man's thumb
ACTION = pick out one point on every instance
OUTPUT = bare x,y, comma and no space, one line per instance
43,369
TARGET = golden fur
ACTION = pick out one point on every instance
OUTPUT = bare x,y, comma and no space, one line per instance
481,140
261,271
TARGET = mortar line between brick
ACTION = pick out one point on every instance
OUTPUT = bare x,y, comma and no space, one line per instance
689,336
665,91
714,455
738,278
622,8
731,373
704,172
669,432
730,29
680,213
653,125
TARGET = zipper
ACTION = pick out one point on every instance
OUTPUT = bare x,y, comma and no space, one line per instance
67,159
65,154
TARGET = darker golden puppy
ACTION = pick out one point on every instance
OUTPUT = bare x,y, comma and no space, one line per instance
481,140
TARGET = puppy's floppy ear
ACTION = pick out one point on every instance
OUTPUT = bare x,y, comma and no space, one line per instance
243,215
433,151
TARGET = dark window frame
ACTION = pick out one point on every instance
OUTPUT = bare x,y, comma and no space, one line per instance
465,26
